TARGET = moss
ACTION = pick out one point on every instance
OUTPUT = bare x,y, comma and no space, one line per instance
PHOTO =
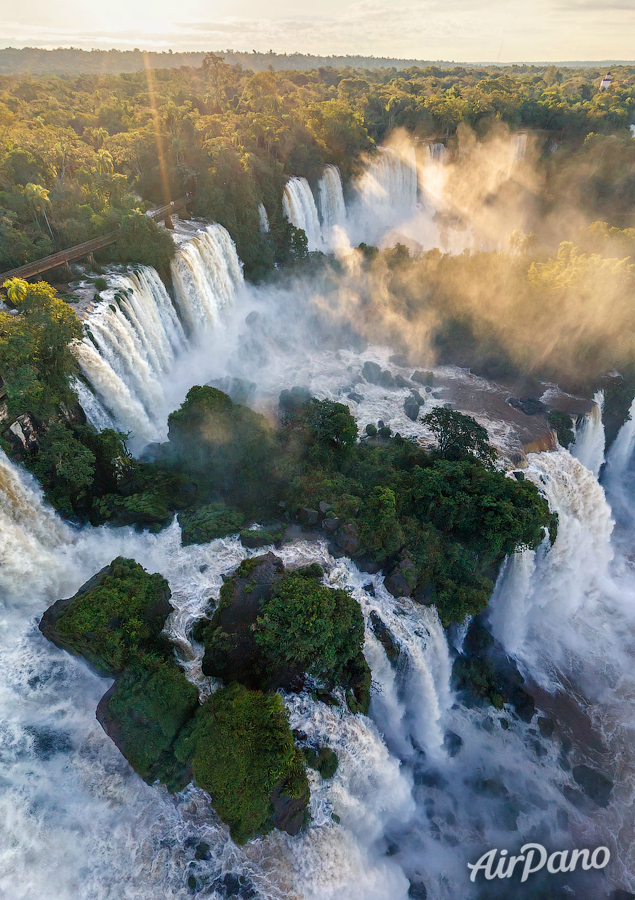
208,523
243,751
323,760
144,713
562,424
117,618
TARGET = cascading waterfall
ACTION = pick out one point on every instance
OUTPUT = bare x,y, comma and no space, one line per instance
390,182
264,218
332,207
135,337
206,273
589,439
518,145
299,207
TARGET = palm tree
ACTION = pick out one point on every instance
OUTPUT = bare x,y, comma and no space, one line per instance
38,197
104,162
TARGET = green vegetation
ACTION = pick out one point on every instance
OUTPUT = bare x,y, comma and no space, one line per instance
208,522
245,757
562,424
144,713
311,627
117,617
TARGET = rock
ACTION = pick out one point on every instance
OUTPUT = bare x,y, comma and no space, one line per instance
424,378
401,382
546,726
417,891
384,636
255,538
331,524
323,760
622,895
595,784
144,712
94,622
370,588
452,743
289,812
355,397
412,404
376,375
402,580
230,650
203,851
345,540
23,432
324,507
529,405
308,517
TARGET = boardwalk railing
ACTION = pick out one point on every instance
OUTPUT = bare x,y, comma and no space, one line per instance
79,250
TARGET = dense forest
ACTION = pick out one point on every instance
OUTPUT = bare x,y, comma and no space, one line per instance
82,154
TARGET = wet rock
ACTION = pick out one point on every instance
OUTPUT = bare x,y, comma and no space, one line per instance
529,405
412,405
424,378
430,778
622,895
355,397
370,588
417,891
323,760
289,812
384,636
253,539
308,517
374,374
595,784
546,726
452,743
401,382
203,851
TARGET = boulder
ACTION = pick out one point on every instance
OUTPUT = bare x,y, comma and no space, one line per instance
417,891
529,405
345,540
355,397
255,538
94,623
23,433
374,374
384,636
402,580
412,404
596,785
308,517
424,378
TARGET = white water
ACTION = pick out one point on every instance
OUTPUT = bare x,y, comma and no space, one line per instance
138,341
299,207
589,438
332,206
264,218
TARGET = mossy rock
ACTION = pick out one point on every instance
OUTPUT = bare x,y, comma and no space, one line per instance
253,539
144,712
113,619
243,754
323,760
208,523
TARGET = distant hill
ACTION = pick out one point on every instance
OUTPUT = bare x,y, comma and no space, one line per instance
64,61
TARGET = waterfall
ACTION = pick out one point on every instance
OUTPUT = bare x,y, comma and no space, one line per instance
435,153
135,339
332,207
299,207
390,181
206,273
264,218
589,439
518,146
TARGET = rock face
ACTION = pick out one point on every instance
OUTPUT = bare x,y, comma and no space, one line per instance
374,374
384,636
94,622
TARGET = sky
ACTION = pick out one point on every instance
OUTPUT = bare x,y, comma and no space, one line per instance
461,30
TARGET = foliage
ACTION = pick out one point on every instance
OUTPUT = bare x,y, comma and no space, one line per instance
242,750
150,703
117,617
209,522
307,626
35,356
458,435
562,424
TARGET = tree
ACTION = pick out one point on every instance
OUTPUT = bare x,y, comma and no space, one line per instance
458,435
38,198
